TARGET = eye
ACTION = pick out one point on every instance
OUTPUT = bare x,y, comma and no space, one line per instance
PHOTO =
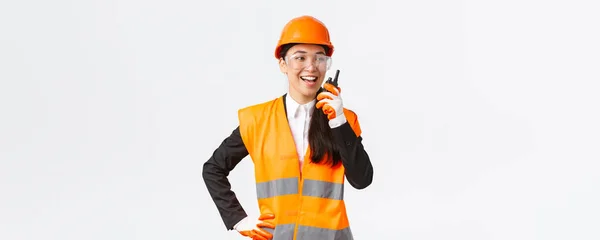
300,58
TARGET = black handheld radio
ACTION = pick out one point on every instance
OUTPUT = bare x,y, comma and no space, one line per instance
334,82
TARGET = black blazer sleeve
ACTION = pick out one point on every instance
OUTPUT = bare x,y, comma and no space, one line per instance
215,172
356,161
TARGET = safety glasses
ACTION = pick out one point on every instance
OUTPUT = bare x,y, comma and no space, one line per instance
304,60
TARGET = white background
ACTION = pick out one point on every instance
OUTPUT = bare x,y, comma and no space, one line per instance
481,117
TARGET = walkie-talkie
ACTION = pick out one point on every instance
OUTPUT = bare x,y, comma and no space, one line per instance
328,111
333,82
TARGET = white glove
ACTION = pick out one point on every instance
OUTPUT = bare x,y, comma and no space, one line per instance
331,103
252,227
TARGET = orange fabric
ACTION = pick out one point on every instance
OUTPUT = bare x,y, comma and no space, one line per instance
304,29
267,136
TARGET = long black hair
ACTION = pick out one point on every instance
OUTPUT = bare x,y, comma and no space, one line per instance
320,136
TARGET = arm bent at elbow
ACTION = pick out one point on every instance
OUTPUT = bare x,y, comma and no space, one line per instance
356,161
215,172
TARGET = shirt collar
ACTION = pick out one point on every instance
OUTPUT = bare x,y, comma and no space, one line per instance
293,106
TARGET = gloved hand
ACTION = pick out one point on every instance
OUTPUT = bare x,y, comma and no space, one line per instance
331,104
253,228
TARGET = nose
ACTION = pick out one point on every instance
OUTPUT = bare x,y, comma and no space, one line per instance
311,66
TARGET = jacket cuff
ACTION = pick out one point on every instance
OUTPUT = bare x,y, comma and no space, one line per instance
337,121
233,221
236,225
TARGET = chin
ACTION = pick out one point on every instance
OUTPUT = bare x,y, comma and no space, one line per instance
310,92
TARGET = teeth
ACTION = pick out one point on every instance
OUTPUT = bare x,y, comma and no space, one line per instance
307,78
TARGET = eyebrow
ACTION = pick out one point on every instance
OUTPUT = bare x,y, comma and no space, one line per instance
302,51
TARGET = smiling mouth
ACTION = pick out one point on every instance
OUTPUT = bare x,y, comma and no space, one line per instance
311,79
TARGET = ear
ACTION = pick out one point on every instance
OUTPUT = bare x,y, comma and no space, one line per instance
282,66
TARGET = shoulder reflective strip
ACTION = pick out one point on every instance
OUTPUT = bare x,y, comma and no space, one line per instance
316,188
277,187
282,231
312,233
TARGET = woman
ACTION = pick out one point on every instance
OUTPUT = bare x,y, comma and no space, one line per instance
302,144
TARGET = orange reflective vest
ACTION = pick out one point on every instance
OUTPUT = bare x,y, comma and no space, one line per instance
307,206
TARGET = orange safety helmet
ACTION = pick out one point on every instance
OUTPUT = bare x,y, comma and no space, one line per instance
304,29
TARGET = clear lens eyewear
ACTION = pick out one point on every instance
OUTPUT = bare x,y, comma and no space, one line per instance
302,60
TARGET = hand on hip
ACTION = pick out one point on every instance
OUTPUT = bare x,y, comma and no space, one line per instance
253,228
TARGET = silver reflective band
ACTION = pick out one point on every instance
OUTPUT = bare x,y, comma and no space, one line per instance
277,187
286,232
312,188
322,189
313,233
282,231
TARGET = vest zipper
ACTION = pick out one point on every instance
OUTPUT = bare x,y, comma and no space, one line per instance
301,199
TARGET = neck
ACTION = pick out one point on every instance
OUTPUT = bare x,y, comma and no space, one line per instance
299,98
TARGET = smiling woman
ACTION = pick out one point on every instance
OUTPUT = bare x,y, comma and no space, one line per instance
304,144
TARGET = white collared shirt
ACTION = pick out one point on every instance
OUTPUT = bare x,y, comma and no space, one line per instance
299,120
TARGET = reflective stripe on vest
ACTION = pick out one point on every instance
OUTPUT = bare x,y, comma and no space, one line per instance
286,232
312,188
